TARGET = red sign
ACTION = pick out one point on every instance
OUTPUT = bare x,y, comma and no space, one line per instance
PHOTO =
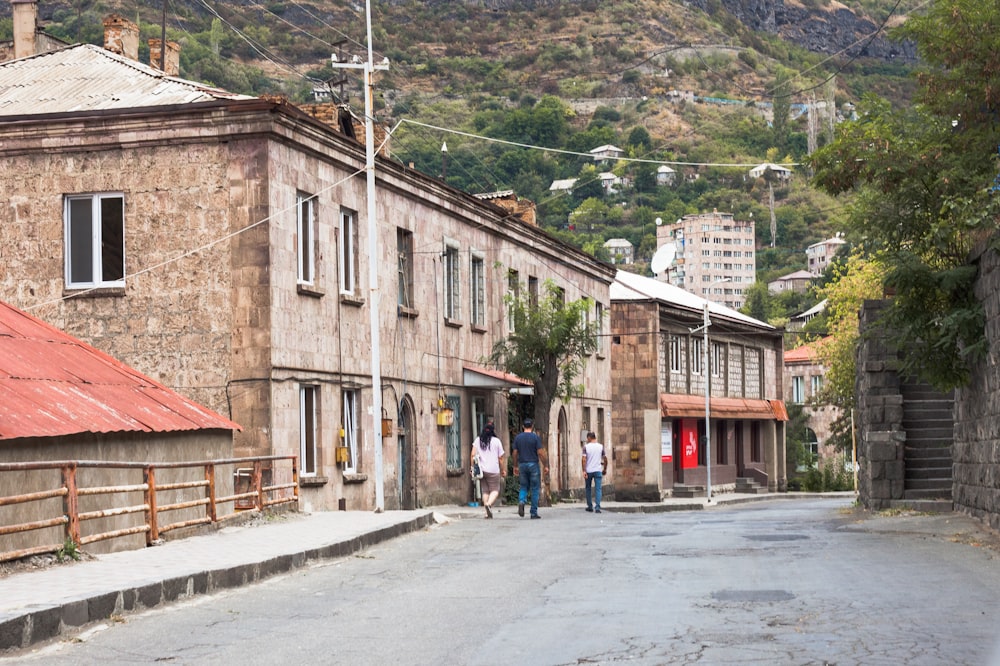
689,443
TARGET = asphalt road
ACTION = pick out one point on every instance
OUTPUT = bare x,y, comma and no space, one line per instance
781,582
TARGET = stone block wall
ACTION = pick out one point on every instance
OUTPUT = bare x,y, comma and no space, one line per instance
879,417
976,449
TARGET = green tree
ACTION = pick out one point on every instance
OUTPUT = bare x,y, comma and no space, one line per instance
548,346
855,280
923,182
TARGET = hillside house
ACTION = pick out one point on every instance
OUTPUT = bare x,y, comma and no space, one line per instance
60,400
819,255
779,172
659,370
621,250
797,281
665,175
607,152
219,243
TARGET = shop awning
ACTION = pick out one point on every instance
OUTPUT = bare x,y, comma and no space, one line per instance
676,405
474,376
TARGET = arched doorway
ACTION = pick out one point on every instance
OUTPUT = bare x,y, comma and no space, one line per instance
563,448
407,461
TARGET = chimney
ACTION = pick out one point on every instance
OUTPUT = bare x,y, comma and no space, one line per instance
25,15
172,64
121,36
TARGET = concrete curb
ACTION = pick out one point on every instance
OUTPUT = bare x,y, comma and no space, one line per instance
36,624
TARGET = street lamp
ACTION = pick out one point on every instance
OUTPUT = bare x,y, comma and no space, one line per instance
708,395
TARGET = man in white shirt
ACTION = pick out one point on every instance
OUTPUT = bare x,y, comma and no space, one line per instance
595,464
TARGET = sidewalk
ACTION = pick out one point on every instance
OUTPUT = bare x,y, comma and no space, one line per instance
41,604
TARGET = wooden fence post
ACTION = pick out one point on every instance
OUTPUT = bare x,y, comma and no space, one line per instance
71,504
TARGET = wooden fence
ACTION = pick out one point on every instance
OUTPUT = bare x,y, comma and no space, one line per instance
190,496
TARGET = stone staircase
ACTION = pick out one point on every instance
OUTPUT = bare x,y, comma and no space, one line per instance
929,425
688,492
749,486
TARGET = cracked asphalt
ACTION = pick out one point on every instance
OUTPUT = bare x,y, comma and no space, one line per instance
808,581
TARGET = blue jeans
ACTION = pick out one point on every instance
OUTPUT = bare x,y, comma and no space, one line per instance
595,478
530,476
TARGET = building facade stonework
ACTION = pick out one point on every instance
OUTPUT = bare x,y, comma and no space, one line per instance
231,263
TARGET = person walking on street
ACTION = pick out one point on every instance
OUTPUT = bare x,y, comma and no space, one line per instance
488,451
595,465
530,461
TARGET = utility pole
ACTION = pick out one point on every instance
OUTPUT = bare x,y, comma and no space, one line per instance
373,255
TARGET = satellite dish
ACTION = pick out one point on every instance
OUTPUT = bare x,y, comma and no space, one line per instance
663,257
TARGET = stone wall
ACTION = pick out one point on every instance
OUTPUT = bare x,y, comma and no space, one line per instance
879,417
976,449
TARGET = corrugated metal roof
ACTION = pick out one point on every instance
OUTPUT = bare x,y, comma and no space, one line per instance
85,77
631,287
675,405
52,384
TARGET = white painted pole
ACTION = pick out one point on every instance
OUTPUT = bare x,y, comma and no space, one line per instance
708,413
374,262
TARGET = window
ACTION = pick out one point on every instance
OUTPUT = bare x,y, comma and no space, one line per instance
533,291
716,359
95,240
306,218
308,426
599,326
453,435
477,273
696,360
798,390
348,238
816,385
675,353
350,426
600,426
513,293
452,283
404,253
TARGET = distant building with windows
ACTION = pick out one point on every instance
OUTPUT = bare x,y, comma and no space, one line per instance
621,250
804,374
819,255
716,256
797,282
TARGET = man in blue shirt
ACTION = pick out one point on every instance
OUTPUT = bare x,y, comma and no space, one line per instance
529,462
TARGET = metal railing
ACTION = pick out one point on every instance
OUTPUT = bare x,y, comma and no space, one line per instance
252,491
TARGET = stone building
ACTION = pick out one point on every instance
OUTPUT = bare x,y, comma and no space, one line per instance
804,372
659,376
219,243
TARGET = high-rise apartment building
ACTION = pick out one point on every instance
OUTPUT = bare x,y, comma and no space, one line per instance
715,256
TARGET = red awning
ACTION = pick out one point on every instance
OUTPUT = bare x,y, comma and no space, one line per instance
676,405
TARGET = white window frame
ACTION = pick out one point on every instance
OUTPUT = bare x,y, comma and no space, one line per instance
816,384
477,289
349,414
305,225
452,270
513,292
308,430
798,390
696,353
599,325
347,238
715,359
404,249
75,237
675,354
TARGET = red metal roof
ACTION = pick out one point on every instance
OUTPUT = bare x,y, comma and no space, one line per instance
52,384
677,405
